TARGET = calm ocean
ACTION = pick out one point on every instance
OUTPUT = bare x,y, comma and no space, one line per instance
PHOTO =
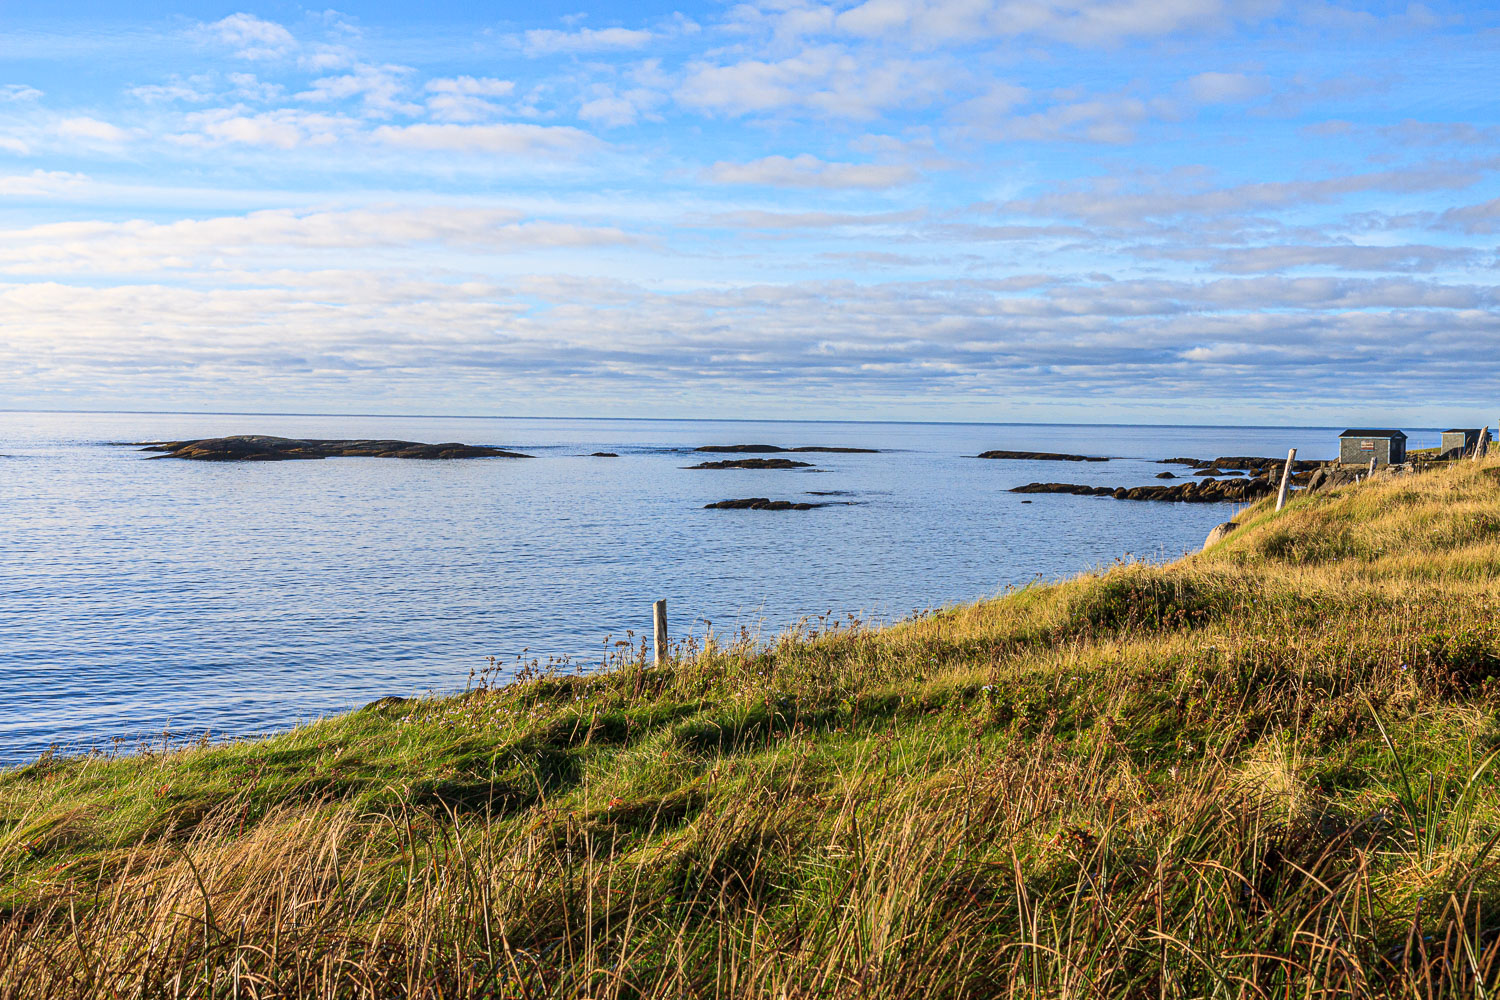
138,596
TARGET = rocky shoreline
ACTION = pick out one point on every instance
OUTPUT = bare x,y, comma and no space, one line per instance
1193,491
1247,478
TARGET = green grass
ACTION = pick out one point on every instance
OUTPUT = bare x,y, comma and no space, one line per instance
1265,770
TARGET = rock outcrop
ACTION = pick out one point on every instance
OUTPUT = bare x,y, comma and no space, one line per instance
1041,456
1333,476
260,448
753,463
1219,533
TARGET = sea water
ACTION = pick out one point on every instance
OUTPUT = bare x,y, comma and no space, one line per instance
143,597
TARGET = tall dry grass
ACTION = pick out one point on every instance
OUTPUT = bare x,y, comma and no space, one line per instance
1266,771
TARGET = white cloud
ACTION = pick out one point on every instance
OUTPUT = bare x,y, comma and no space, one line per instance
1341,257
1112,202
807,171
786,221
464,98
1073,22
604,105
40,183
461,108
484,86
283,128
13,144
380,88
1225,88
253,38
1106,118
176,90
1483,218
562,337
511,138
91,129
143,247
826,80
19,92
201,88
248,87
609,110
997,101
549,41
324,57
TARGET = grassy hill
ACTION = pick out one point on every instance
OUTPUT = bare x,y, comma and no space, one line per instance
1267,770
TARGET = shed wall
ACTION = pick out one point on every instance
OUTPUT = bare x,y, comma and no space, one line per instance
1359,451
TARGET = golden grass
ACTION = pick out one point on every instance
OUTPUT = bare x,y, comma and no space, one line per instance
1263,771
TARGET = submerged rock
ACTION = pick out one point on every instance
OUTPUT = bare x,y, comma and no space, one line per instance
261,448
1040,456
763,503
753,463
603,454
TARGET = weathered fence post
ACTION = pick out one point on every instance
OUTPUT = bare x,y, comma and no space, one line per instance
659,612
1372,468
1482,444
1286,478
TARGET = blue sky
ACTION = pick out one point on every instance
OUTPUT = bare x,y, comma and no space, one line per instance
1180,211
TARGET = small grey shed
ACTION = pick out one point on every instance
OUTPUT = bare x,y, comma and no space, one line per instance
1360,444
1462,439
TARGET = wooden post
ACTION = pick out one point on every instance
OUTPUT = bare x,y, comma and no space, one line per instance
1372,467
1482,444
1286,478
659,612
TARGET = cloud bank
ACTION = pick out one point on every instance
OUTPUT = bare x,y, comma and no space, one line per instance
1092,210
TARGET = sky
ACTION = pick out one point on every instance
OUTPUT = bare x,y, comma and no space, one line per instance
1156,211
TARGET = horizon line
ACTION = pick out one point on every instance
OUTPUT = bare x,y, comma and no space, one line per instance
725,420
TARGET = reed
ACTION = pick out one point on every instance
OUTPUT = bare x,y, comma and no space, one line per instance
1267,770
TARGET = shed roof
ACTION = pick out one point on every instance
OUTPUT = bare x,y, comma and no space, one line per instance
1464,430
1372,432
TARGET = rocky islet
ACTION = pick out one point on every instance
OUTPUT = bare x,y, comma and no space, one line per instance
752,463
264,448
1039,456
765,503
